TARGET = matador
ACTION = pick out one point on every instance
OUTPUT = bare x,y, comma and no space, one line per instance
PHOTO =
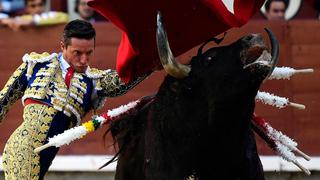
57,90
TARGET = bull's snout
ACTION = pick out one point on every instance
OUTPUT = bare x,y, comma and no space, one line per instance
256,48
253,47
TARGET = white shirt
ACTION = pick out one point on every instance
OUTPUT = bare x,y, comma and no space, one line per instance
64,65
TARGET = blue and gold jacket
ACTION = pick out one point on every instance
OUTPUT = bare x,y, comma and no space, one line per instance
40,77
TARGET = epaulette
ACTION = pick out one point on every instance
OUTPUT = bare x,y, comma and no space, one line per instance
38,58
33,58
96,75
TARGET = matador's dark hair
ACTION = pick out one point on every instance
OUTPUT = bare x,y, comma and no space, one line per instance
78,29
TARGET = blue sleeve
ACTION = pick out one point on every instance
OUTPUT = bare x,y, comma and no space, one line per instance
13,90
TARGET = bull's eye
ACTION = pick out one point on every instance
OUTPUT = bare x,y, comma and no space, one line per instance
208,60
209,57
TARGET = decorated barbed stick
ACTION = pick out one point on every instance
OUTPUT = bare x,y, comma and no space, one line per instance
279,102
285,140
261,131
290,157
279,142
276,135
281,149
287,72
80,131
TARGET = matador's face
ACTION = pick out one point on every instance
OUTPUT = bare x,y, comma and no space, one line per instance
78,53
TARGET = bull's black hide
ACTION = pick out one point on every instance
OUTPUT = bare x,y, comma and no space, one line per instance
198,125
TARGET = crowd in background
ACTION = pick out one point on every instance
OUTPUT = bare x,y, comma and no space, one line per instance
289,9
17,14
276,9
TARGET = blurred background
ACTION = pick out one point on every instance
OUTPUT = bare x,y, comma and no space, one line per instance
297,29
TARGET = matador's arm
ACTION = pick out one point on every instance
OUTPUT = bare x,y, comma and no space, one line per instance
109,84
112,85
13,90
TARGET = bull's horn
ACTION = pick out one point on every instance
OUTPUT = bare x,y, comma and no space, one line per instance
168,61
274,50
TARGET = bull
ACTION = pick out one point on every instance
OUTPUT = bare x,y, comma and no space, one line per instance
198,123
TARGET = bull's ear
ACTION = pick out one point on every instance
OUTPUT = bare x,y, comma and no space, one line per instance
168,61
214,39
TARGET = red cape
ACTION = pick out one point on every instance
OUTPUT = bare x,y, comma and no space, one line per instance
188,23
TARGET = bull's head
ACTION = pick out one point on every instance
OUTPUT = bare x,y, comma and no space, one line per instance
251,50
221,80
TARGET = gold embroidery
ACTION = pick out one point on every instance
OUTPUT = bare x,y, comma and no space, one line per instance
74,100
98,85
94,73
39,87
113,86
35,92
41,81
60,91
67,112
57,104
37,57
33,58
46,71
75,91
77,83
75,107
19,160
13,87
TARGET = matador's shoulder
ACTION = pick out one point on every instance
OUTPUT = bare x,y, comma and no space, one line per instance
34,57
97,75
